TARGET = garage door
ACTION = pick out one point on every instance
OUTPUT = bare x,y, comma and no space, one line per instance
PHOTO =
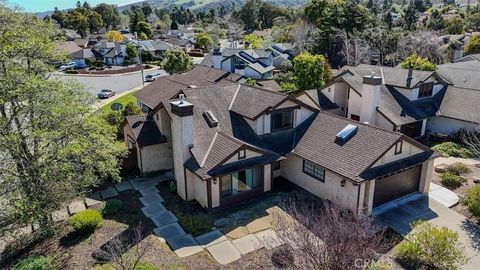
397,185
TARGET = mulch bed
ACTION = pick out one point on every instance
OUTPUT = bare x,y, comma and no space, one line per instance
113,71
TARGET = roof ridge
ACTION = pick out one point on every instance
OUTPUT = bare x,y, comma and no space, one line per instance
265,90
209,148
210,86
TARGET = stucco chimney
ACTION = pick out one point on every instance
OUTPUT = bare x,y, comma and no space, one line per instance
370,98
409,76
217,58
182,140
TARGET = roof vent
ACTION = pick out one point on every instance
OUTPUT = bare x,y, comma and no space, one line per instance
346,133
192,86
212,121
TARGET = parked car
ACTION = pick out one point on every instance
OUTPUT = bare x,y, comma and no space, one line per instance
152,77
106,93
70,65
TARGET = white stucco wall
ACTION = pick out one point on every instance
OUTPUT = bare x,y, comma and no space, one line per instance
182,137
267,177
251,73
382,122
197,189
407,150
445,125
248,154
354,104
156,157
331,189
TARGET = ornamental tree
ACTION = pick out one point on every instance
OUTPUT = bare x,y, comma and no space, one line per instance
254,41
176,61
203,40
418,63
311,71
473,45
114,36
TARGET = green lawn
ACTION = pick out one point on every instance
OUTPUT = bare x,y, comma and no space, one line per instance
124,100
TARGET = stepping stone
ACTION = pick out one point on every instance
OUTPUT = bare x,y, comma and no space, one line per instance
76,207
184,246
153,209
141,184
172,230
269,239
247,244
95,196
237,232
59,215
258,225
211,238
225,222
148,191
224,252
123,186
242,216
92,202
164,219
109,193
151,199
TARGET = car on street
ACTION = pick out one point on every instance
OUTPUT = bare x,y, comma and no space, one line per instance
70,65
106,93
152,77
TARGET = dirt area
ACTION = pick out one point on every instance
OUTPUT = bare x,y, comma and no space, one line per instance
462,190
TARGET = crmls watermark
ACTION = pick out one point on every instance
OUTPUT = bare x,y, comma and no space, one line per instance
367,263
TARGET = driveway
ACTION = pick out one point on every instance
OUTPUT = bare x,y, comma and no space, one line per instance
118,82
399,214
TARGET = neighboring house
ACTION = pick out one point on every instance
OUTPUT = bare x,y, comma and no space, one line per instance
416,103
228,142
161,47
251,63
81,57
283,54
470,57
71,35
112,53
68,47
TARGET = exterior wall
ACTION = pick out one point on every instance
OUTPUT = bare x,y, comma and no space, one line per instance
331,189
251,73
382,122
277,173
267,177
407,150
155,157
80,62
445,125
248,154
426,176
215,186
182,137
262,124
354,104
227,65
197,189
338,93
370,100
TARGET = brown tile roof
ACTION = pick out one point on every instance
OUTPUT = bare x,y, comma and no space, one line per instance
168,87
252,102
349,159
145,130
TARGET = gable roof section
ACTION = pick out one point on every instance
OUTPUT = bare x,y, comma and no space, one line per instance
145,130
351,158
462,74
461,103
321,100
252,102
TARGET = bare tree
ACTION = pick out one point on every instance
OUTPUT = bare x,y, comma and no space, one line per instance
471,138
325,236
354,50
126,250
424,43
304,35
235,30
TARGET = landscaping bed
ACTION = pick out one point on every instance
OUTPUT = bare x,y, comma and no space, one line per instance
113,70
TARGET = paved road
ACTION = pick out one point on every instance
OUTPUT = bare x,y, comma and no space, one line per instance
119,83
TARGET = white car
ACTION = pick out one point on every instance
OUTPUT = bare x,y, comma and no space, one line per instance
152,77
70,65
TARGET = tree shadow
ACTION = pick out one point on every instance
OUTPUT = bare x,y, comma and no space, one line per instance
73,238
473,232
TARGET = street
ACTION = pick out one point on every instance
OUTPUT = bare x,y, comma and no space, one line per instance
119,83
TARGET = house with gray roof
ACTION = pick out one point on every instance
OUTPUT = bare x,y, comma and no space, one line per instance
416,103
250,63
227,143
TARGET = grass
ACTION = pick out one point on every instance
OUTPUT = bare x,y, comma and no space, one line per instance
124,100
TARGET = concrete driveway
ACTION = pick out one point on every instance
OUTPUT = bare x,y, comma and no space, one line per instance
399,214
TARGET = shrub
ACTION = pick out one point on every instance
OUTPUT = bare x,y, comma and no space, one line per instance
451,149
86,220
458,168
71,72
33,263
451,180
146,266
472,200
111,207
430,247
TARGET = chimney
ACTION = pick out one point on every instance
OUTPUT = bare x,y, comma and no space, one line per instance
370,98
409,76
182,140
217,58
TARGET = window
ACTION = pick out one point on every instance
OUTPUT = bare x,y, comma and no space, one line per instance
276,165
281,120
314,170
398,147
242,181
131,143
242,154
426,90
355,117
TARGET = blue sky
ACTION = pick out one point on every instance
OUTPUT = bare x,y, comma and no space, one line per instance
46,5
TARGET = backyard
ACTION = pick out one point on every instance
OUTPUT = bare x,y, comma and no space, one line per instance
124,100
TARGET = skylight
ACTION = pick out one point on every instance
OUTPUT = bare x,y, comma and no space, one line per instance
347,132
212,121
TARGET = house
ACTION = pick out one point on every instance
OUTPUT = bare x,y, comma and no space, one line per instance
416,103
283,54
251,63
227,143
82,56
167,87
112,53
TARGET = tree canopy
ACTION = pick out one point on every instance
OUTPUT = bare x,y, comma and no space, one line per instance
203,40
254,41
114,36
311,71
52,148
176,61
419,63
473,45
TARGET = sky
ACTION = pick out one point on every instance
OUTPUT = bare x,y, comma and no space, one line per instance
46,5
